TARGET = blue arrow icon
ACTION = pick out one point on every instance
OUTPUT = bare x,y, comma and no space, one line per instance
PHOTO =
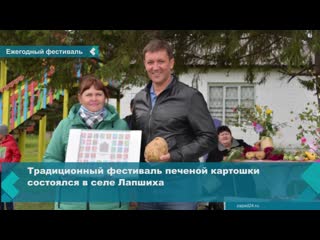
8,187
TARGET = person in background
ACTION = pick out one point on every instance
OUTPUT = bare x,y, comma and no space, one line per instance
92,112
9,152
174,111
226,143
128,118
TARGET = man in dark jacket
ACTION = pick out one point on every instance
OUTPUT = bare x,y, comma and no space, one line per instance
174,111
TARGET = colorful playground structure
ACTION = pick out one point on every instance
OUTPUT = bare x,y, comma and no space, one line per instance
24,101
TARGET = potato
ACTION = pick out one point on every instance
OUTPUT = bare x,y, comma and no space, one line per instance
250,155
260,155
257,145
156,148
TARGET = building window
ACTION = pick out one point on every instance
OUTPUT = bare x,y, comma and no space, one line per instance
224,98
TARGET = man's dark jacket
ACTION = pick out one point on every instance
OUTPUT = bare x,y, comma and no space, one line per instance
180,115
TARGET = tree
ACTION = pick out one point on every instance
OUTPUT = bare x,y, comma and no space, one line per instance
292,52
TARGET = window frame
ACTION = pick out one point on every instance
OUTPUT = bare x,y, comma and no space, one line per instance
224,87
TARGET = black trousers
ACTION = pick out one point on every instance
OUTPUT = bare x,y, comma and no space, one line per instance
216,206
9,205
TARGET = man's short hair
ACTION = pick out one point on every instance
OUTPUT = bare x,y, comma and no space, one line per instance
156,45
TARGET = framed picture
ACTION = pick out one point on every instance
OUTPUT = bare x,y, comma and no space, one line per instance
103,146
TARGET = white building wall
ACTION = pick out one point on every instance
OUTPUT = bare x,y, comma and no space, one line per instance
280,96
125,101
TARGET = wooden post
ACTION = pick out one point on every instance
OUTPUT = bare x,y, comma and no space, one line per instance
65,104
22,143
5,107
3,73
42,137
19,104
5,95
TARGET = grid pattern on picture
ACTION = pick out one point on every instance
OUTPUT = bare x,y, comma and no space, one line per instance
104,147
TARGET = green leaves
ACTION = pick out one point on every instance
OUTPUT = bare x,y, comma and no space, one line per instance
235,153
310,123
121,52
260,117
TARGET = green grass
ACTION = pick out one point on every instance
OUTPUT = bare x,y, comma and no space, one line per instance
31,155
31,148
33,206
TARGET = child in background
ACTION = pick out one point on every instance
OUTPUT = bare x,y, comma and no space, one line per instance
9,152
